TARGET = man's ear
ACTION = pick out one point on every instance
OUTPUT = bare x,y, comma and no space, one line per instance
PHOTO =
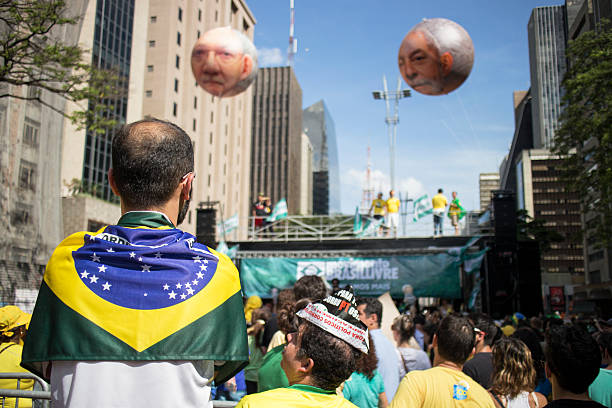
247,67
447,63
186,186
306,366
112,182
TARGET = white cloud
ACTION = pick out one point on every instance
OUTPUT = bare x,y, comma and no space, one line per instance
269,56
379,182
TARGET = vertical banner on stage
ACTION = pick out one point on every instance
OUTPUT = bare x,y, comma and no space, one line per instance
433,275
557,298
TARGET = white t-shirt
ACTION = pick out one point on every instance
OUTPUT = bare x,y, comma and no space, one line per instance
133,384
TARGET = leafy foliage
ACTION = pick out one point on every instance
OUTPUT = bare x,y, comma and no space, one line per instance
33,54
584,138
529,229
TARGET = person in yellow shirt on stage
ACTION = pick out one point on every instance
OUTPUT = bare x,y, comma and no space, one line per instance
393,205
378,205
439,203
13,324
319,357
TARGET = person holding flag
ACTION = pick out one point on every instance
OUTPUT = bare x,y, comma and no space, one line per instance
378,205
455,212
139,314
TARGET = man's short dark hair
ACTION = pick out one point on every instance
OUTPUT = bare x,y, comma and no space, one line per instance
440,190
456,339
149,158
487,325
573,356
311,287
373,306
334,359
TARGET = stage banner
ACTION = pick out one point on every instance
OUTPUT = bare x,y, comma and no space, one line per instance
432,275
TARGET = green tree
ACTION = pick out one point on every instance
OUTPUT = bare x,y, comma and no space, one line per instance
529,229
34,54
584,138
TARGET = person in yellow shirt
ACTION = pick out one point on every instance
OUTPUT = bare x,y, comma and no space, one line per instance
439,203
445,385
393,205
13,323
378,205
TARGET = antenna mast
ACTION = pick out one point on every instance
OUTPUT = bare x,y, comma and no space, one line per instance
292,40
368,192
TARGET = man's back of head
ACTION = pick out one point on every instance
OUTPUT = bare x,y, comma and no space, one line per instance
310,287
572,358
149,159
455,339
485,325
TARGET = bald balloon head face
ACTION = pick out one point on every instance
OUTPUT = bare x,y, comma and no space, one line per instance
436,56
224,62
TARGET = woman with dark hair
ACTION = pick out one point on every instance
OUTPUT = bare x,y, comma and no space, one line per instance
514,377
256,350
365,387
413,358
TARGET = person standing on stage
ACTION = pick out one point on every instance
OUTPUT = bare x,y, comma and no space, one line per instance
439,203
393,205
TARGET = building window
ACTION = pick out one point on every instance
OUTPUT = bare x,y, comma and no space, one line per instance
209,159
198,35
30,132
216,16
194,125
22,214
177,61
180,14
154,19
176,85
178,38
210,141
27,174
212,117
195,102
199,15
174,108
151,43
245,26
209,181
148,93
150,68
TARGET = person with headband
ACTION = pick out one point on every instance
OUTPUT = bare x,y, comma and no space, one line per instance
319,356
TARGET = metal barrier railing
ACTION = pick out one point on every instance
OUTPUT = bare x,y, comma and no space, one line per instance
43,395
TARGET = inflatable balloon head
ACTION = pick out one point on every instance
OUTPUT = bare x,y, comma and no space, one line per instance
224,62
436,56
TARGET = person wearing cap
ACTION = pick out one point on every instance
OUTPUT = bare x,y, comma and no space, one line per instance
13,328
480,367
319,357
445,385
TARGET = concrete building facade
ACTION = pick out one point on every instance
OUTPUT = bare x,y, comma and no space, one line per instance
487,182
277,147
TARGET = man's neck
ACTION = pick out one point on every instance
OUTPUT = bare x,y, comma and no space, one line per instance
449,364
485,349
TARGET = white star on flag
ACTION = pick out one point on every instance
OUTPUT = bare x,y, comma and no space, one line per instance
188,285
106,286
183,296
146,268
200,275
190,291
203,267
140,259
206,261
158,255
145,294
84,274
166,287
93,279
195,282
110,250
172,295
95,258
132,254
178,285
102,268
196,259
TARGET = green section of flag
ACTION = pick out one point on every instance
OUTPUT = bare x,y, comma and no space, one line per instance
66,335
422,207
224,249
279,212
461,211
370,228
228,225
357,222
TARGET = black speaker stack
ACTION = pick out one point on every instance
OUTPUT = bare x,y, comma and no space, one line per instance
206,222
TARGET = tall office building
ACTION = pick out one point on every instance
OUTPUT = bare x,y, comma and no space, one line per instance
547,40
276,150
156,57
319,126
487,182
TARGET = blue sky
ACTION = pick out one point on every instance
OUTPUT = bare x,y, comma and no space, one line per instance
344,49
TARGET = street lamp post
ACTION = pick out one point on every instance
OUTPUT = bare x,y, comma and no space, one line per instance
392,118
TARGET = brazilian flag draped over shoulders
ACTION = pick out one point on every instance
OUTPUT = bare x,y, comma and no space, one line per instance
138,291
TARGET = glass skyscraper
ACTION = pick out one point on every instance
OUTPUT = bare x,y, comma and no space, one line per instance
319,126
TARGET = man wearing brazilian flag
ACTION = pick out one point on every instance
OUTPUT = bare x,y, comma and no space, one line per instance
139,314
455,212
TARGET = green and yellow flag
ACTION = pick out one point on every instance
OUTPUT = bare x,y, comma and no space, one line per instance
138,291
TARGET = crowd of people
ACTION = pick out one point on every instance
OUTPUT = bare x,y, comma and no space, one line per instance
141,315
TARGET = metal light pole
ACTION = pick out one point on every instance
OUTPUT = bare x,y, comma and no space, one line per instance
392,118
